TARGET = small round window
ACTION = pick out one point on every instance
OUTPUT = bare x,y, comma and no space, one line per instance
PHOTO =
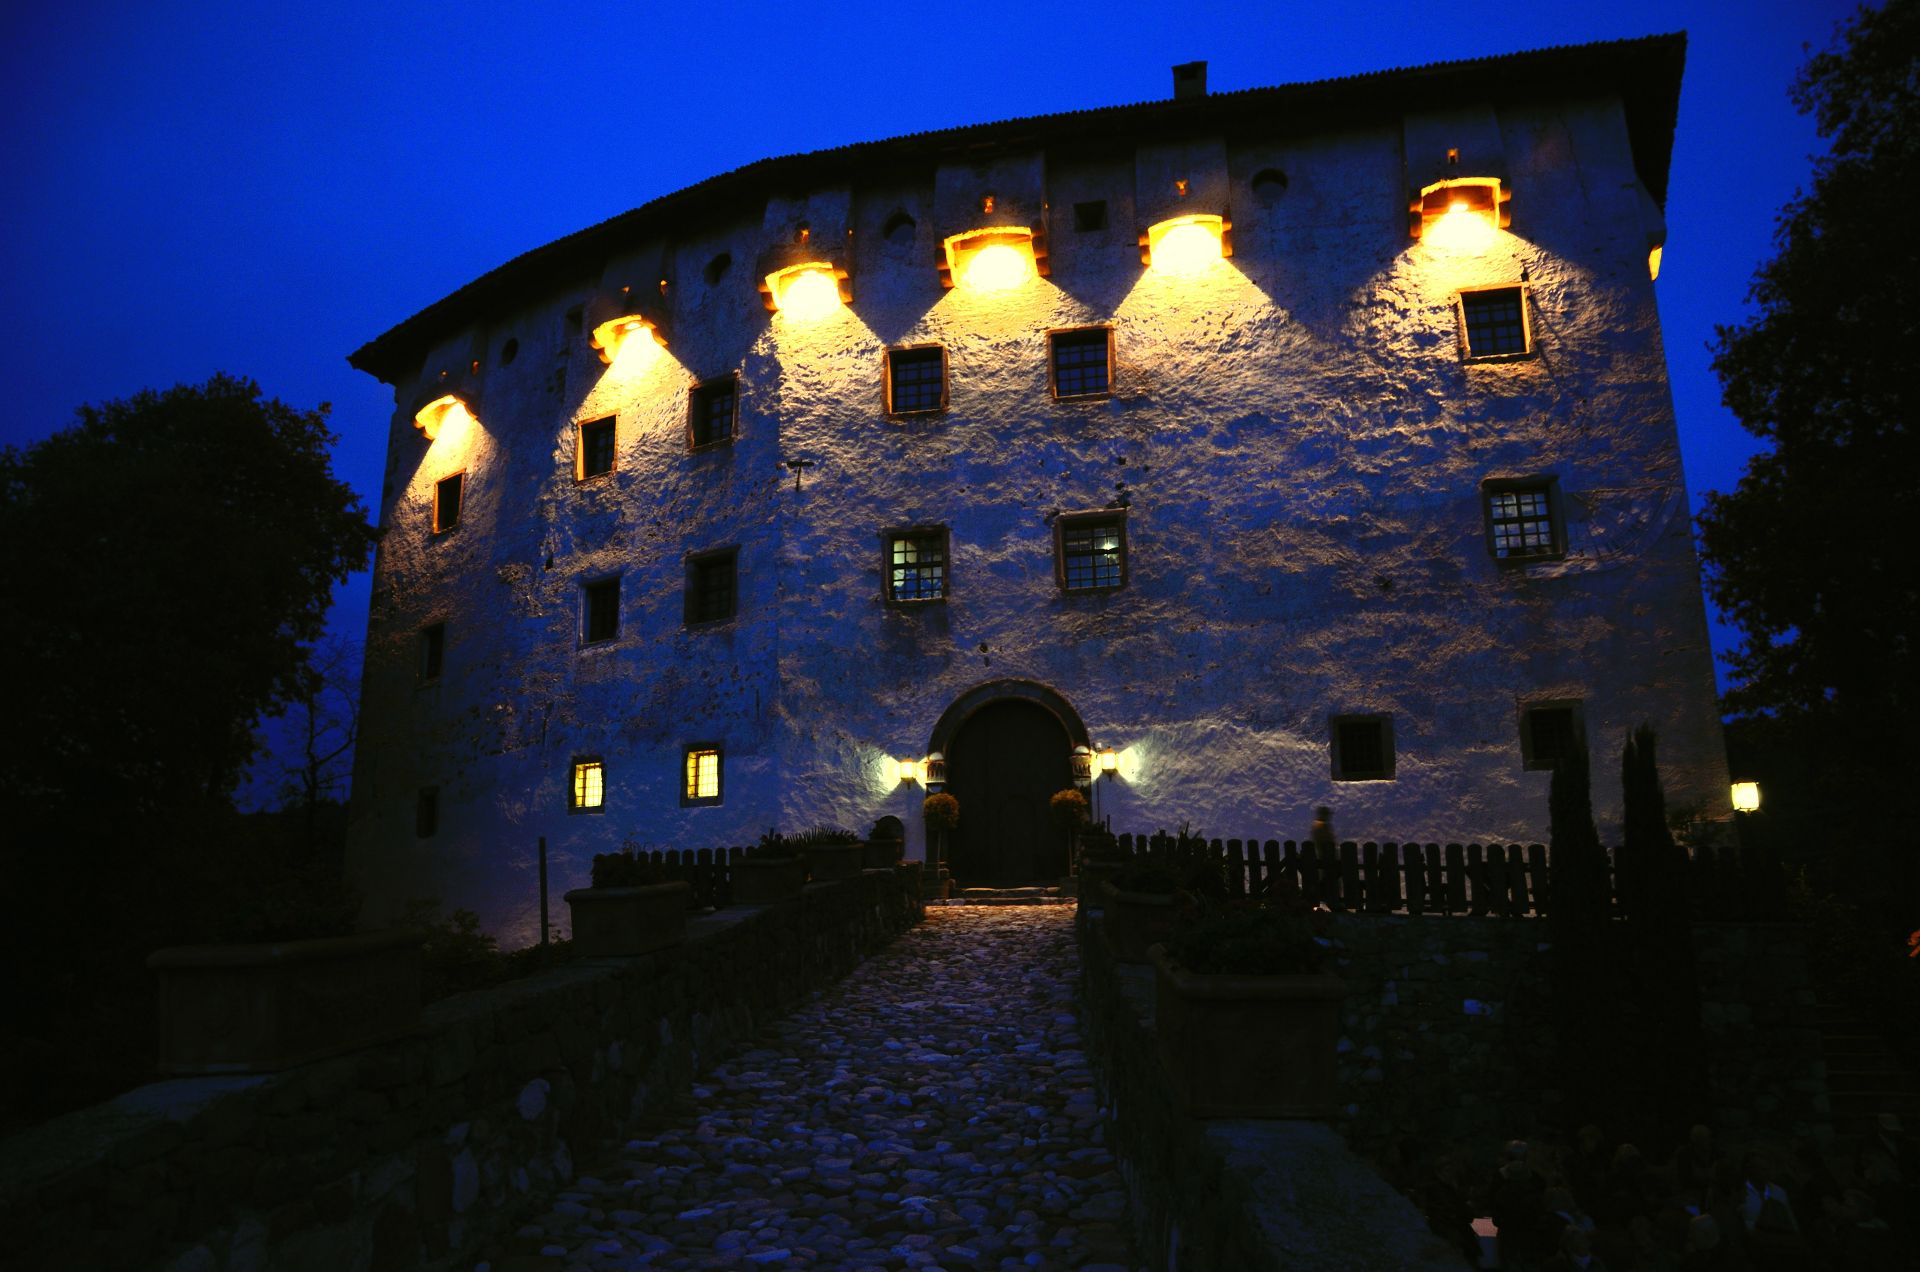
1268,185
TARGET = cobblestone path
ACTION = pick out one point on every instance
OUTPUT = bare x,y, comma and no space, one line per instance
934,1110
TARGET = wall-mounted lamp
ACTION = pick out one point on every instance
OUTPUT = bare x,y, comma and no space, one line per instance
1461,209
936,769
1186,244
1746,797
630,322
990,260
908,771
1109,760
630,332
447,409
807,276
1081,761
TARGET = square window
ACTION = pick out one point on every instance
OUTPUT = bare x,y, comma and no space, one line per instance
596,448
589,789
1523,520
1362,748
446,502
710,586
433,649
1090,217
1548,731
703,775
1495,322
1091,551
1081,361
916,565
426,813
600,611
710,413
916,380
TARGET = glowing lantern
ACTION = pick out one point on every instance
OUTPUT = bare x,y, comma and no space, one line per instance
1653,261
1186,244
631,334
1746,797
907,771
1461,212
1109,760
447,409
807,290
991,260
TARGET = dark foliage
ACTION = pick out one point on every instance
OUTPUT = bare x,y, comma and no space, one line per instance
774,846
1586,1018
941,810
625,869
1260,938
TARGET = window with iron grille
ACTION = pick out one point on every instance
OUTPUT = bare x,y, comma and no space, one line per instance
1092,551
596,448
600,603
704,775
1496,322
446,502
426,812
916,565
1362,748
1522,521
588,791
916,380
710,412
433,648
1081,361
1548,731
710,586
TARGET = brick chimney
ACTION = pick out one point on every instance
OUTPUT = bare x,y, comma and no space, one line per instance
1189,80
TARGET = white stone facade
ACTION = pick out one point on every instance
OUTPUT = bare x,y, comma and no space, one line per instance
1299,442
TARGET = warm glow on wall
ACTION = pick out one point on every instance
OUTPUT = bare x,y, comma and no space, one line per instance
444,411
1461,229
805,291
991,260
908,771
1746,797
629,336
1461,213
1186,244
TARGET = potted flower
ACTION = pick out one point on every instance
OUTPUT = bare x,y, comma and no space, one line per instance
886,844
1067,809
1246,1016
831,853
632,908
772,870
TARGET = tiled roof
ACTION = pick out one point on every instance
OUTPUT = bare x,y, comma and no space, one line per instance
1644,72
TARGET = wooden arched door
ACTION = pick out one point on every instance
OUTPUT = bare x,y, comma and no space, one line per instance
1003,765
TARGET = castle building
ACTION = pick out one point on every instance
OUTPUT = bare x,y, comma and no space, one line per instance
1294,446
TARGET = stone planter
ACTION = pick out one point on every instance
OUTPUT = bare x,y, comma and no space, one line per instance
260,1008
1136,920
623,922
1095,871
883,854
1247,1046
765,882
828,862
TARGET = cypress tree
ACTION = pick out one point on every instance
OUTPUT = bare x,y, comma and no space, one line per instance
1581,972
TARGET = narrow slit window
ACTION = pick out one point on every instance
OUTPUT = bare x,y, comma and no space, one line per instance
596,448
589,791
917,566
711,410
433,651
1093,553
426,813
916,380
600,601
1496,322
1082,362
710,587
703,776
446,502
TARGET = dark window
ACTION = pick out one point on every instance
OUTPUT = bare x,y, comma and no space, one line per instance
1521,524
917,565
710,413
601,601
587,793
916,379
1088,217
717,267
426,812
1081,361
1548,732
1092,552
704,773
1362,748
433,648
446,502
596,448
710,594
1496,322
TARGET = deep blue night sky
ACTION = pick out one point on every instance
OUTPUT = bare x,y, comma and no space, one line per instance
259,189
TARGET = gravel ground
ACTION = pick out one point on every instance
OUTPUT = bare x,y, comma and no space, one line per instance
932,1111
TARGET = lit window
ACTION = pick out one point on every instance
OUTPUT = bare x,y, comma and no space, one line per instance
1081,361
1548,731
426,813
1362,748
710,590
1091,550
600,606
446,502
1495,323
916,565
596,448
433,648
1522,520
589,787
710,413
702,776
916,379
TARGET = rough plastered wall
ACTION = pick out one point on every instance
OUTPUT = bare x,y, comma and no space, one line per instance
1296,438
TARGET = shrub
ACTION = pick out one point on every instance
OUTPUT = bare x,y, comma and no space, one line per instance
1256,940
823,836
774,846
625,869
942,811
1068,808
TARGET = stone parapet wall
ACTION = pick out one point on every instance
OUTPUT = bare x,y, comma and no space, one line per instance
412,1153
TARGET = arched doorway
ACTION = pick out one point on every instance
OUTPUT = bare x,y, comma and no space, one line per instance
1007,745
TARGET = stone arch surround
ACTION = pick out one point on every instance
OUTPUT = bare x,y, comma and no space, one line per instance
1045,696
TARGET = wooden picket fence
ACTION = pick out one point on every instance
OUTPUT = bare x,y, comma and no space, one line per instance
1501,880
709,870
